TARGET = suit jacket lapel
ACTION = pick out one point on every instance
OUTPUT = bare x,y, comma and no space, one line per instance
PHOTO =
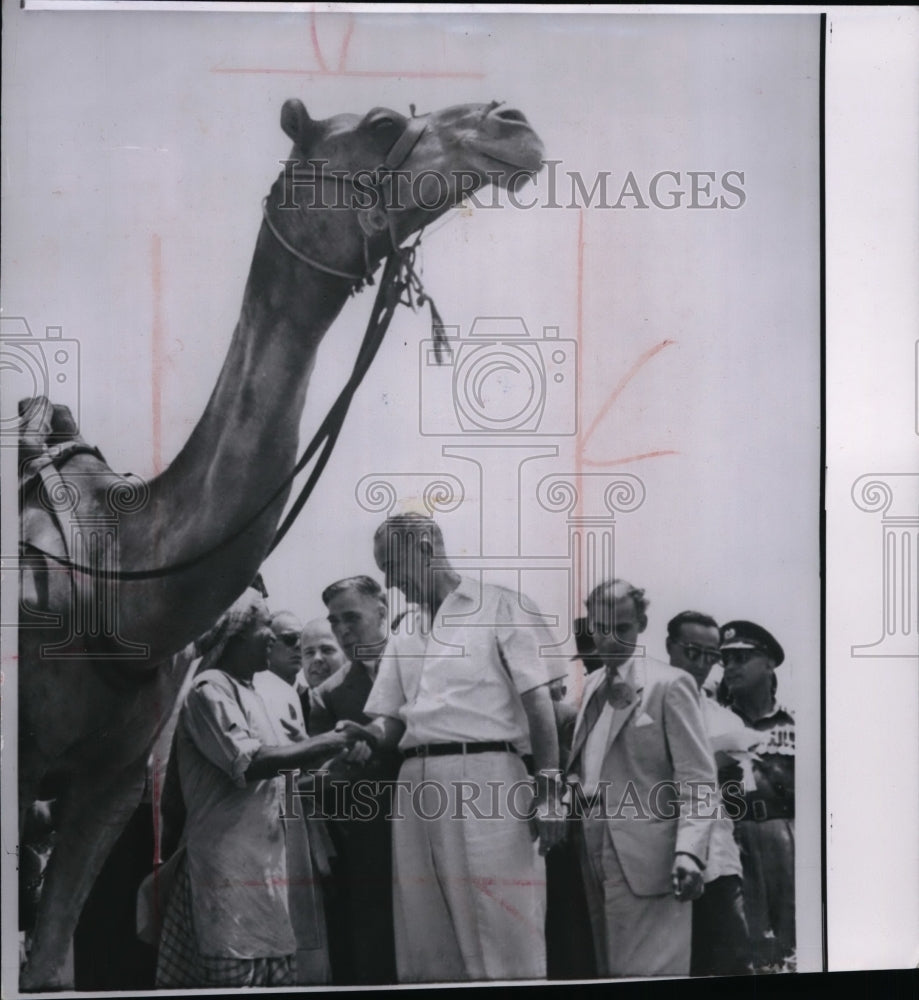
357,681
621,716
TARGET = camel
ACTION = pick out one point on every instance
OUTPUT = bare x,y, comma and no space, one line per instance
90,709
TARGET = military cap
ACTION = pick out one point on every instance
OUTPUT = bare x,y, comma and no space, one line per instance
749,635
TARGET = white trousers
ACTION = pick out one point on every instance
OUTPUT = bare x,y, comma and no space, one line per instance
633,935
469,885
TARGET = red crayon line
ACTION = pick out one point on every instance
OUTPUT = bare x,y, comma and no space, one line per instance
314,35
579,337
157,351
623,382
368,73
631,458
345,43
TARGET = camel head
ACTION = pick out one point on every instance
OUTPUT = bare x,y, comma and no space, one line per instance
395,174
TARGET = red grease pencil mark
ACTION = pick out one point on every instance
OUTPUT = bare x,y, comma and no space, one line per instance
314,35
156,389
376,74
623,382
579,337
341,67
158,359
343,55
630,458
483,884
584,438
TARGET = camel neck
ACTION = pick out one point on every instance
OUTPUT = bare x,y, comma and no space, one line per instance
238,455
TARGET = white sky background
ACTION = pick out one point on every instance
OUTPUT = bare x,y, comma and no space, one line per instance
127,133
184,154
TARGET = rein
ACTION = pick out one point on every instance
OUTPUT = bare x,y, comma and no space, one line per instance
400,285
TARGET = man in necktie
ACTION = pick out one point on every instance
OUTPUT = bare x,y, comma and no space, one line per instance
644,783
363,950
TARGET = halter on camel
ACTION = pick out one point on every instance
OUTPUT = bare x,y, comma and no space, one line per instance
399,285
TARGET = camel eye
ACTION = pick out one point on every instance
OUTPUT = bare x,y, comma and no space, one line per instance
382,123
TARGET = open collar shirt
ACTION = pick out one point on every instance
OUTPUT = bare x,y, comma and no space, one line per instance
461,678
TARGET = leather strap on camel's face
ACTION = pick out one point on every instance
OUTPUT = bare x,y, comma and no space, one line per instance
403,146
397,155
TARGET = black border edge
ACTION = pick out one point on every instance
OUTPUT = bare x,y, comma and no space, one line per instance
823,472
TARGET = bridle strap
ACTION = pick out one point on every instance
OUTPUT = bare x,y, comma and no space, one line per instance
397,155
397,286
347,275
406,142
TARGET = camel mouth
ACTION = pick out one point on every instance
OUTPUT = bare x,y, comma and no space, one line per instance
507,138
517,158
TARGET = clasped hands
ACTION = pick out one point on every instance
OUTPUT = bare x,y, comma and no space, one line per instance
358,742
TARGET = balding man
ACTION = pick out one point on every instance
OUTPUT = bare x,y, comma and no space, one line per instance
322,657
463,691
307,912
644,776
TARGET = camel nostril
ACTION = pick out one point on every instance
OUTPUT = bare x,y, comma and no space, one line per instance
510,115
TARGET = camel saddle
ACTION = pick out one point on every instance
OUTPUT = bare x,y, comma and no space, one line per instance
58,505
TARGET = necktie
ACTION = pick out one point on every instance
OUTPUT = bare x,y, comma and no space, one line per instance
613,690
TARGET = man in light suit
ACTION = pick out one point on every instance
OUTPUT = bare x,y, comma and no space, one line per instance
644,783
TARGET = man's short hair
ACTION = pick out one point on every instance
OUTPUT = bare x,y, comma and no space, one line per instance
688,618
365,585
605,593
421,526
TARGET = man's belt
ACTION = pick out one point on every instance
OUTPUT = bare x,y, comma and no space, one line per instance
448,749
759,808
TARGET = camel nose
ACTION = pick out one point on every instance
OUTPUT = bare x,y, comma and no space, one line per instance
510,115
508,126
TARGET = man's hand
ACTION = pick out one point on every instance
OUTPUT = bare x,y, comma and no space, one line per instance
355,733
359,753
686,876
549,814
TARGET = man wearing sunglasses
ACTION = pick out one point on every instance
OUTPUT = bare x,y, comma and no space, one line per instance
765,833
276,685
720,942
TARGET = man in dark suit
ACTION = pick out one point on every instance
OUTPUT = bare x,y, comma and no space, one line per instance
363,951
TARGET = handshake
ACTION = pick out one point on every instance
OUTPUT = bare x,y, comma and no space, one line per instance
356,743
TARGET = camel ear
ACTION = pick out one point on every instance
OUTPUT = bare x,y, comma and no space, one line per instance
295,121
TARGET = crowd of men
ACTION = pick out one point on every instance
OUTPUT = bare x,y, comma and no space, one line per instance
363,804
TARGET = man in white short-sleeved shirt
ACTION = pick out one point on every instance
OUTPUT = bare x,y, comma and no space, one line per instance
464,692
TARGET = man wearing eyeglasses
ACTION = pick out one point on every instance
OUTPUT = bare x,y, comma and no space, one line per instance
276,685
720,942
751,655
